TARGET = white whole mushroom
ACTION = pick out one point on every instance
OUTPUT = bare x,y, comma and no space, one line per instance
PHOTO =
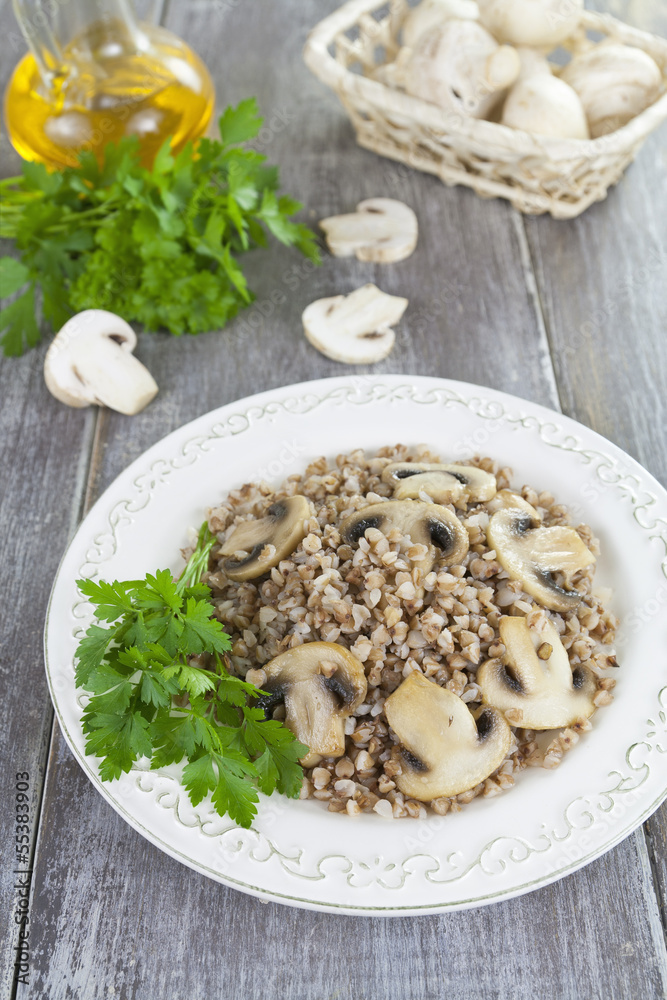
542,23
544,105
460,67
431,13
90,361
615,83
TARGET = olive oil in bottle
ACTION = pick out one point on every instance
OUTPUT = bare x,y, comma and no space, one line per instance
102,80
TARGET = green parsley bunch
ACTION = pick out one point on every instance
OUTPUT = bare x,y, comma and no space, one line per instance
148,699
157,246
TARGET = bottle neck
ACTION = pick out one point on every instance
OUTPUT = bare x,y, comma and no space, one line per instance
81,28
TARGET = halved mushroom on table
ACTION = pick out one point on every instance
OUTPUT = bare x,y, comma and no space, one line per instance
255,547
321,684
535,680
443,483
90,360
444,750
425,523
531,554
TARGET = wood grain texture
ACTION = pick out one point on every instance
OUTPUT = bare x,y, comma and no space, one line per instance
117,918
490,296
602,282
43,458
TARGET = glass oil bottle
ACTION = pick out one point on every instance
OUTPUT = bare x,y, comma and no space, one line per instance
95,74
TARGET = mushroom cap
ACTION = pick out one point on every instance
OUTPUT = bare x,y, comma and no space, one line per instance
354,328
321,684
535,678
381,230
542,23
531,554
90,361
543,104
267,540
444,750
615,82
443,483
460,67
425,523
430,13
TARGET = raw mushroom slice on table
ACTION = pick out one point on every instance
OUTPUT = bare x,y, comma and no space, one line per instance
382,230
356,328
444,750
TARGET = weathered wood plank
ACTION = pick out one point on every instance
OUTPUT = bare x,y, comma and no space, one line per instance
43,449
602,282
115,917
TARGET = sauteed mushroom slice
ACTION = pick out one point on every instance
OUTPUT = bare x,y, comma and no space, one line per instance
444,750
505,499
535,678
254,547
444,483
531,554
425,523
321,684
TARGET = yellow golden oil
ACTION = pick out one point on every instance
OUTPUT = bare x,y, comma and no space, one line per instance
105,89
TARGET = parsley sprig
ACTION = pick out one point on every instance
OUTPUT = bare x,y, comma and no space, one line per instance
148,699
157,246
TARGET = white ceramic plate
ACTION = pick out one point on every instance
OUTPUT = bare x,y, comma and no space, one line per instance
551,822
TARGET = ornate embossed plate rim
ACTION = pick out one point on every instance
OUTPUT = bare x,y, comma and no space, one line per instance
612,468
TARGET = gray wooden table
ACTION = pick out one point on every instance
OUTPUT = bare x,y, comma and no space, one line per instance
571,315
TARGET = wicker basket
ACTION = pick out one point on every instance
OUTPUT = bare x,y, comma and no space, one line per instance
536,174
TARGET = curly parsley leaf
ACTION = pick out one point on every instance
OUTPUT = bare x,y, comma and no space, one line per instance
151,696
159,246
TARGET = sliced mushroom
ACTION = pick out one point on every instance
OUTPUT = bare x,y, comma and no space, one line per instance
321,684
506,499
531,554
444,749
381,230
90,361
443,483
535,678
354,328
425,523
255,547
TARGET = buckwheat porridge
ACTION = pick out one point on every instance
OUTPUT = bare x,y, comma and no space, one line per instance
424,628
